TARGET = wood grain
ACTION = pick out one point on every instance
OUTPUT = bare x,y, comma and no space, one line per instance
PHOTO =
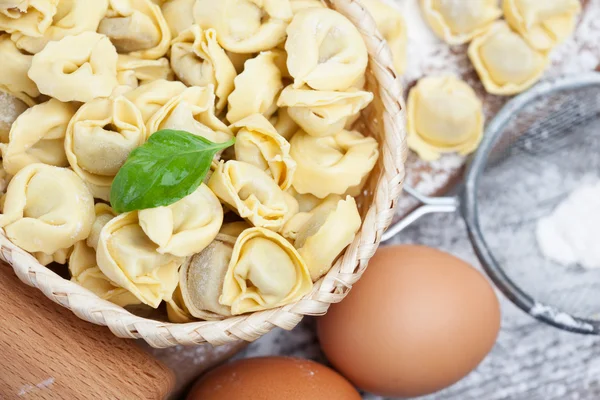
46,352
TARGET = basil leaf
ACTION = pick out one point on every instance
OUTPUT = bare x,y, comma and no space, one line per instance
165,169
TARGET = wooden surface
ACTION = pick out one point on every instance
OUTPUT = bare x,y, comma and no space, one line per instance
46,352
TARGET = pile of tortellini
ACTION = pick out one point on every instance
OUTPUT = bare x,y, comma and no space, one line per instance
286,78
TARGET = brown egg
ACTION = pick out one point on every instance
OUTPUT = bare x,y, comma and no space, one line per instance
418,321
273,378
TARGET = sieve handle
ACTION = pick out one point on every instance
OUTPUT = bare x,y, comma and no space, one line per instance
429,205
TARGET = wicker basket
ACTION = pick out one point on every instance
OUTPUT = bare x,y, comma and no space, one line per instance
384,120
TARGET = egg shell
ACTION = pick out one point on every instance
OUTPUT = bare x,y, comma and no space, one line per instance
273,378
418,321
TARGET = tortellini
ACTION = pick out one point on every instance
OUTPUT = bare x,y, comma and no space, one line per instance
198,60
458,22
177,311
100,137
37,136
504,61
150,97
129,259
76,68
258,143
31,17
60,257
283,123
335,164
13,72
245,26
444,115
179,15
185,227
543,24
47,209
137,28
256,88
133,71
13,107
323,113
265,272
72,17
253,194
299,5
104,213
325,50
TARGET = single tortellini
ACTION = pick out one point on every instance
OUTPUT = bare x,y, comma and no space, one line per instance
192,111
104,213
185,227
299,5
131,260
60,257
137,28
47,209
245,26
13,72
458,22
392,26
323,113
152,96
504,61
37,136
265,272
325,50
177,311
85,272
76,68
444,116
198,60
179,15
31,17
133,71
13,107
253,194
335,164
256,88
258,143
72,18
100,137
543,24
283,123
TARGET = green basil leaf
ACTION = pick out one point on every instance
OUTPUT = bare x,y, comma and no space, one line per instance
165,169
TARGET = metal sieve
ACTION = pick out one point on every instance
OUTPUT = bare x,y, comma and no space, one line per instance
540,147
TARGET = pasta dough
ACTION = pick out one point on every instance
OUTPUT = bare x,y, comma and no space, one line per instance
179,15
332,164
325,50
458,22
37,136
129,259
31,17
72,18
100,137
256,88
133,71
47,209
104,213
258,143
185,227
504,61
245,26
444,115
137,28
198,60
543,24
265,272
13,72
283,123
76,68
323,113
150,97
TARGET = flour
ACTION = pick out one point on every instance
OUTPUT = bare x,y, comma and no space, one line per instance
570,235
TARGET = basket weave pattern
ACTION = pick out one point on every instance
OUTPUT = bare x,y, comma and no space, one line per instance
384,120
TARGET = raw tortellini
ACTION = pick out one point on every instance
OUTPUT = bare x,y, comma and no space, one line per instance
37,136
323,113
177,311
543,24
198,60
179,15
76,68
133,71
30,17
504,61
335,164
47,209
13,72
457,22
444,115
104,213
258,143
60,257
325,50
265,272
245,26
283,123
150,97
299,5
13,107
137,28
100,137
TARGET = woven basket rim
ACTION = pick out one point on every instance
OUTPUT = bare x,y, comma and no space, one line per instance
330,289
